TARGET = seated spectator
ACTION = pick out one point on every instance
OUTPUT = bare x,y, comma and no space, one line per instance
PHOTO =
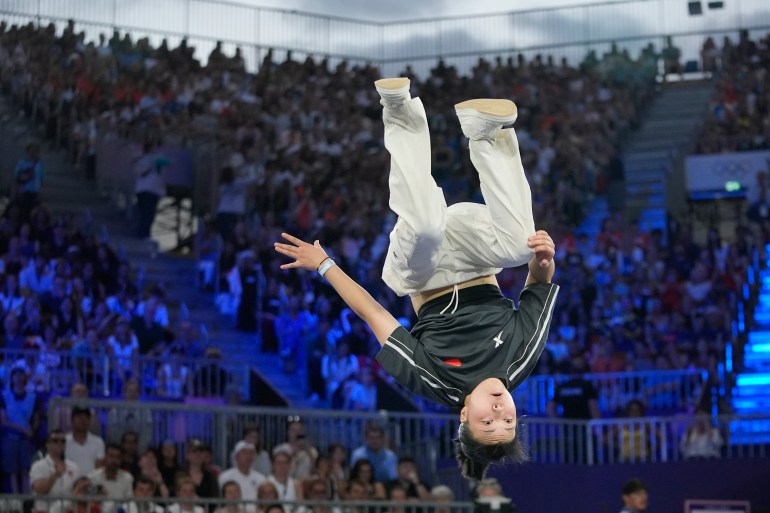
338,459
169,464
398,494
122,347
262,464
78,390
635,438
90,502
174,377
144,488
363,472
206,485
211,379
408,479
356,491
117,484
208,461
231,492
299,449
323,472
185,492
156,301
248,479
316,490
149,333
380,457
489,493
267,494
53,475
287,487
701,440
20,418
363,394
337,368
441,493
148,469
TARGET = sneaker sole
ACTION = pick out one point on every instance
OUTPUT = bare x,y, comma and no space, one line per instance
392,83
504,111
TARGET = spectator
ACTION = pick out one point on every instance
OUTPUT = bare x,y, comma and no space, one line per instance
408,479
117,484
129,442
130,416
90,502
248,479
443,494
169,464
78,390
150,187
287,487
635,436
323,472
144,488
174,377
338,459
356,492
267,492
363,394
148,469
337,367
20,417
316,490
299,449
29,175
53,475
231,491
185,492
212,379
232,200
701,440
575,399
634,497
206,485
122,347
489,497
363,472
382,459
252,435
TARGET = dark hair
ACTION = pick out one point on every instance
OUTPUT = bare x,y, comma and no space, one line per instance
357,469
230,483
474,457
227,175
52,433
114,446
142,479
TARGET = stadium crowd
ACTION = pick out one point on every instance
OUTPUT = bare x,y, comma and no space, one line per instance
301,151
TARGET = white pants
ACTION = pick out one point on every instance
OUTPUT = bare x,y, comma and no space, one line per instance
432,245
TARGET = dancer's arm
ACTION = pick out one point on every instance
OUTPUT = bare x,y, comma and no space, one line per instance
542,265
310,256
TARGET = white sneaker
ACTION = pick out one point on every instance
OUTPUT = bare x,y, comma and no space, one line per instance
483,118
393,91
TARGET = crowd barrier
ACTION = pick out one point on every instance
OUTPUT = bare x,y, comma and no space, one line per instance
429,438
13,503
167,378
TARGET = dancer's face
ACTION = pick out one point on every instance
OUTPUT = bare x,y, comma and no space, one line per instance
490,413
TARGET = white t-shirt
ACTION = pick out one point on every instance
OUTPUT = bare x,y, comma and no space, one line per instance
85,455
176,508
43,469
122,487
248,483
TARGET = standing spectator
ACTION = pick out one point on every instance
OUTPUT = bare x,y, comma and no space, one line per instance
575,399
185,491
299,449
409,480
130,416
64,416
382,459
20,416
634,497
232,200
212,379
122,347
293,327
117,483
144,488
83,447
53,475
288,488
363,394
242,473
150,187
243,282
701,440
29,175
252,435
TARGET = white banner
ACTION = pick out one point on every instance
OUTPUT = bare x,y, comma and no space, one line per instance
723,171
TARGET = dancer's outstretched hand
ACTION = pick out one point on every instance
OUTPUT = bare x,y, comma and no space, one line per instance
543,247
306,256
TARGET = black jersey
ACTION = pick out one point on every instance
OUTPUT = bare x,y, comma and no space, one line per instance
450,351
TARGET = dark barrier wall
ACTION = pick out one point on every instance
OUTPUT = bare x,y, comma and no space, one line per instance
581,489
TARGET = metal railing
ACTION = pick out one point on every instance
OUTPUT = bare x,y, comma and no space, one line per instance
430,438
163,377
569,31
13,503
668,391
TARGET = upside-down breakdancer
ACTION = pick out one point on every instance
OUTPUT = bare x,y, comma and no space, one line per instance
470,347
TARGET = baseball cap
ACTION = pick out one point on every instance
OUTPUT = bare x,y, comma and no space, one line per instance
242,445
634,485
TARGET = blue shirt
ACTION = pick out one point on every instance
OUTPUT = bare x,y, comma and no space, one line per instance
33,173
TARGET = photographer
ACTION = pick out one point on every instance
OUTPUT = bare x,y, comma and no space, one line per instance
29,175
